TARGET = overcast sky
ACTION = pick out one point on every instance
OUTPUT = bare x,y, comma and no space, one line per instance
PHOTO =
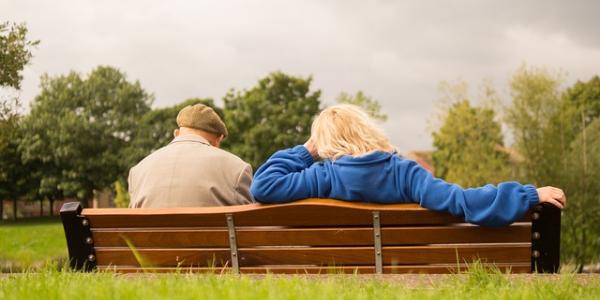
395,51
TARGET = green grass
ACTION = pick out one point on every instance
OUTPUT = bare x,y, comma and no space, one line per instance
31,243
476,284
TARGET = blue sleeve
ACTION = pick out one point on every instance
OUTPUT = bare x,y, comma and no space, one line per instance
289,175
488,205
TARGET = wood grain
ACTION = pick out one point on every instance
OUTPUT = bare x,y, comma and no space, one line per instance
395,255
321,212
251,237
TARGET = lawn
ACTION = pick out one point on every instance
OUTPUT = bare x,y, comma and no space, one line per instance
477,284
31,243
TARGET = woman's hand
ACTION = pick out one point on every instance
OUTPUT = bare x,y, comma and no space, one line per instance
312,149
552,195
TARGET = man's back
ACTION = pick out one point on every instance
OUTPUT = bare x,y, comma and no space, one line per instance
189,172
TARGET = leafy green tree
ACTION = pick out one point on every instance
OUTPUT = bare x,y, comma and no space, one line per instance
121,195
469,147
14,175
535,102
580,106
370,105
79,126
581,220
275,114
579,120
15,53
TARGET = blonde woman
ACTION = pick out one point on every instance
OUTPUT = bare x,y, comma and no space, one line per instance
358,163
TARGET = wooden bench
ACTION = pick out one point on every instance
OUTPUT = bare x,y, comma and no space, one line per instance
309,236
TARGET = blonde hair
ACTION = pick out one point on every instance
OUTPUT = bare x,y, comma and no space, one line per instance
346,129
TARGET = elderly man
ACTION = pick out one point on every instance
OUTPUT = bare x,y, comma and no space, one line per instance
192,170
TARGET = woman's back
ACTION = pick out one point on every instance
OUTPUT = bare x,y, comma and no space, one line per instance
359,165
382,177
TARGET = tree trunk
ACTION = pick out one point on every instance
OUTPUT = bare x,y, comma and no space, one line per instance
51,200
42,207
15,209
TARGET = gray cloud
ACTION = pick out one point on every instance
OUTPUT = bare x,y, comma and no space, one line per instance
395,51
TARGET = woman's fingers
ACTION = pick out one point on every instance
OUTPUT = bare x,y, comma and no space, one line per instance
555,203
559,195
552,195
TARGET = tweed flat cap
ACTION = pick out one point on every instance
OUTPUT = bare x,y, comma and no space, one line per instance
200,116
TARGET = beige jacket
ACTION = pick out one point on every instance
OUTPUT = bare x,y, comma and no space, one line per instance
189,172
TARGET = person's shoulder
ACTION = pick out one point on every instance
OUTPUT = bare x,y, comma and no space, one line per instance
231,157
228,157
403,162
155,154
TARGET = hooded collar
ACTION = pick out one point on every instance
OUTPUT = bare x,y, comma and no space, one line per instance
370,158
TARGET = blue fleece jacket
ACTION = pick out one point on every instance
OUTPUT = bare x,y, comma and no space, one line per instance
382,177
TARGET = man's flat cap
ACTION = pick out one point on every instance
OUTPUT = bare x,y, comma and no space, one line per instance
200,116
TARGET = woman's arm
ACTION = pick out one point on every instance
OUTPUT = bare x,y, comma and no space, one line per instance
289,175
488,205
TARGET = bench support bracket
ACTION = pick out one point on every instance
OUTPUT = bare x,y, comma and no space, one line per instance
377,243
545,239
233,244
79,237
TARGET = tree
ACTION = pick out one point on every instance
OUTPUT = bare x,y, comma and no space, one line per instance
275,114
531,116
581,221
14,175
78,128
580,106
15,53
370,105
121,195
469,147
580,111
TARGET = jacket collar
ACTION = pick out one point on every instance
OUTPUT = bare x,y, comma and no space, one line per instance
190,138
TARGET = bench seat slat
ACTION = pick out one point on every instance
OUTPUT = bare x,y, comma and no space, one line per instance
424,269
500,253
250,237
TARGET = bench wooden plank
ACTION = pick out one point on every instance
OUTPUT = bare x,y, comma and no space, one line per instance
396,255
418,269
322,212
250,237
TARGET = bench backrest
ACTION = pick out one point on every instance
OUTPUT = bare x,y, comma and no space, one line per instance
312,236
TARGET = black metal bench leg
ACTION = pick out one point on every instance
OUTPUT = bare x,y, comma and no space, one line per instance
79,237
545,239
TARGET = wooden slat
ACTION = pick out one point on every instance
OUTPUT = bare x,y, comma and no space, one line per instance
311,212
251,237
501,253
423,269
